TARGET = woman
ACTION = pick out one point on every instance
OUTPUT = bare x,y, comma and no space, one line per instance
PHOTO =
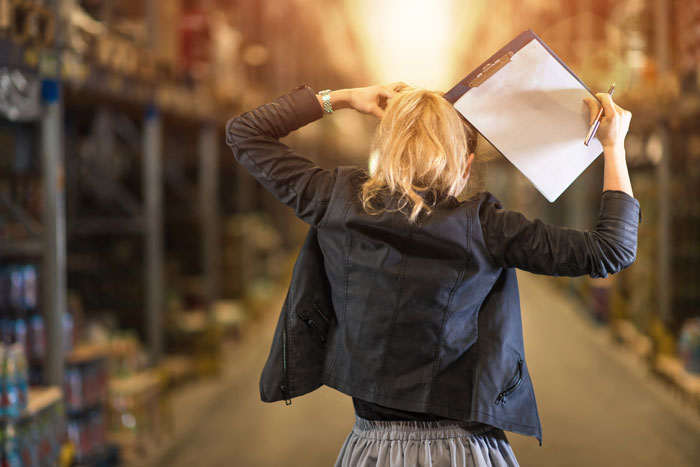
422,324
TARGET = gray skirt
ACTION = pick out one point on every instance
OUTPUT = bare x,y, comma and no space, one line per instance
437,444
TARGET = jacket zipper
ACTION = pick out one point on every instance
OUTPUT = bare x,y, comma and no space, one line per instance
284,387
318,310
312,324
502,397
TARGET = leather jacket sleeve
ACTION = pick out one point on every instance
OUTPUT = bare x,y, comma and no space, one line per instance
514,241
294,180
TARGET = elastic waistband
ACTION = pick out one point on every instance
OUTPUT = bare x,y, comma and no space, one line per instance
418,430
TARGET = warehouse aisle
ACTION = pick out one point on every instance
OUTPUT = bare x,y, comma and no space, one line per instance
597,406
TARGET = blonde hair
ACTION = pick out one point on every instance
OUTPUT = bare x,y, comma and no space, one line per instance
422,145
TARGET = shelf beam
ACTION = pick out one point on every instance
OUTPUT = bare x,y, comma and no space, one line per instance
54,229
106,226
209,208
153,244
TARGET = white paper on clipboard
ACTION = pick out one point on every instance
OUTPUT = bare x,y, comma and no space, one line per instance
532,111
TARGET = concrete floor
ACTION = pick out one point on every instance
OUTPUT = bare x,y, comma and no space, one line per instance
597,405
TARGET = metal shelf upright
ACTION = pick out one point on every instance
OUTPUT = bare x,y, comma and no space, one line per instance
54,229
661,24
208,200
153,214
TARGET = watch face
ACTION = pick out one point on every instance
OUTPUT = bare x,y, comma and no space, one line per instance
326,98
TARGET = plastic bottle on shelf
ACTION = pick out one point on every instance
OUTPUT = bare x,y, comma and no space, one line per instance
10,389
10,447
68,331
16,286
73,391
30,289
37,337
19,328
21,375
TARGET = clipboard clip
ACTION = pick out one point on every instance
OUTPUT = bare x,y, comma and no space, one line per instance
491,68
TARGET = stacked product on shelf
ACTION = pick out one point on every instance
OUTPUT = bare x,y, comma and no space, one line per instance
135,411
27,21
15,381
21,320
137,406
689,345
18,305
32,421
85,387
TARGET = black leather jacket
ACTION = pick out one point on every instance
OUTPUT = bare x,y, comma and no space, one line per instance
426,317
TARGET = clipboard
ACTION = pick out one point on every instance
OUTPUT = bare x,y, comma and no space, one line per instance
528,104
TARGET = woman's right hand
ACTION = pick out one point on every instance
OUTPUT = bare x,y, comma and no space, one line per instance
614,124
371,100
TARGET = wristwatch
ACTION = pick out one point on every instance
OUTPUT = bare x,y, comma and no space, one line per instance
326,99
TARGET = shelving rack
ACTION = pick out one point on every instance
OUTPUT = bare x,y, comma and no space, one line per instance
47,238
63,74
151,97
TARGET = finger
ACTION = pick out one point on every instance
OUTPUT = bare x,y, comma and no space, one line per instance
593,107
620,110
377,112
608,104
387,92
397,86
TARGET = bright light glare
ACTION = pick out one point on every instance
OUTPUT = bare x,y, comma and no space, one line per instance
409,40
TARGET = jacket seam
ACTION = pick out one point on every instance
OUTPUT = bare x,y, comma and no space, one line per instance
332,200
484,234
346,273
397,300
463,267
472,403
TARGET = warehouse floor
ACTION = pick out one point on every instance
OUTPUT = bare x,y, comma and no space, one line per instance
597,404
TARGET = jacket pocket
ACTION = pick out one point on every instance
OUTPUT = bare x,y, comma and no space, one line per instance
513,383
321,313
317,321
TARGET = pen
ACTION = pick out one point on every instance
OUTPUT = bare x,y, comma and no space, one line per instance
598,118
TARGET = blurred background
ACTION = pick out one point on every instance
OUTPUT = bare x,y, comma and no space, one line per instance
142,270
